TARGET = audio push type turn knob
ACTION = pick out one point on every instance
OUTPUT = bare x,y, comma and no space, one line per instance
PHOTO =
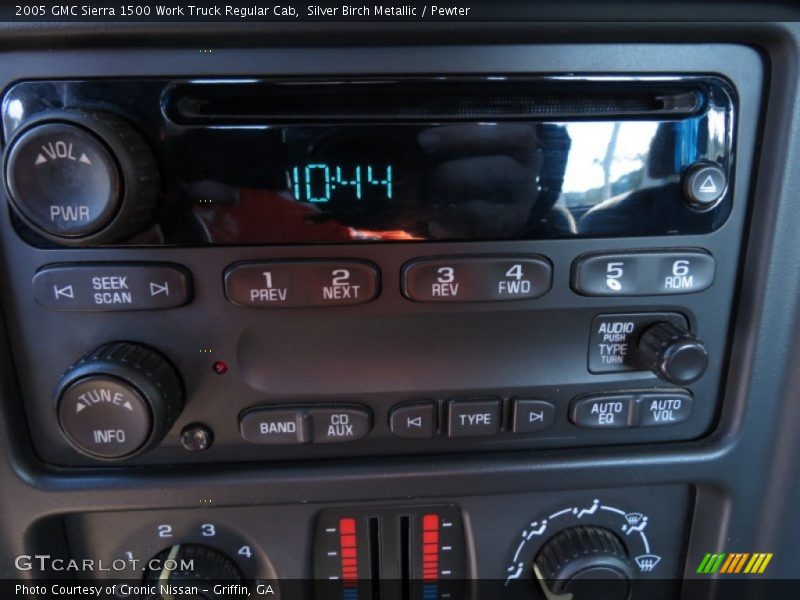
119,401
588,562
81,178
672,353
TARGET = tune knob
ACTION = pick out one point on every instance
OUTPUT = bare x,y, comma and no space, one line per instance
187,570
672,353
587,562
118,401
81,178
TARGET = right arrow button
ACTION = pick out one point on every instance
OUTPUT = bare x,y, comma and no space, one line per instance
533,415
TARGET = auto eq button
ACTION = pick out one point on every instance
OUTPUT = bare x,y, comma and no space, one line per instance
111,287
603,411
478,417
332,425
477,278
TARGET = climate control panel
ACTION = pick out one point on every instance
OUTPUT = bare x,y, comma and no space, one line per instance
625,543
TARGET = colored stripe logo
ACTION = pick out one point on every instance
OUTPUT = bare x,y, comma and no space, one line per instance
735,563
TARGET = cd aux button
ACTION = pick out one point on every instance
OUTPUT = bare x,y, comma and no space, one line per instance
477,279
301,283
333,425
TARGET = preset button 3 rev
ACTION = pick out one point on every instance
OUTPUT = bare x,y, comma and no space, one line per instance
477,278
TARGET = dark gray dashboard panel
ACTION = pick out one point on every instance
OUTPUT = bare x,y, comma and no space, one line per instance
744,472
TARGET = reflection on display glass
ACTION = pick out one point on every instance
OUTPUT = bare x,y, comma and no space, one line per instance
258,162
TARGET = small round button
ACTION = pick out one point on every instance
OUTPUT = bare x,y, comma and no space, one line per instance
63,180
104,417
704,185
197,438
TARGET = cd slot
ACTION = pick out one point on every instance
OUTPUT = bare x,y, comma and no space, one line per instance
441,99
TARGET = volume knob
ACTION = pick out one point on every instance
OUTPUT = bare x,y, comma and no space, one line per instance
81,178
673,353
118,401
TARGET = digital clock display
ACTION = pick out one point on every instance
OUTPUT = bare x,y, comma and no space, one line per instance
321,183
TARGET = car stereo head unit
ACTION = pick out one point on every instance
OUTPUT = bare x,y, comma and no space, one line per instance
296,161
286,268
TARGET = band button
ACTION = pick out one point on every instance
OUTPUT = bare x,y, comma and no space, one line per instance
274,426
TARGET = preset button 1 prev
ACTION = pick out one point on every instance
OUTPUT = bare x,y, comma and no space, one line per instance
301,283
112,287
477,278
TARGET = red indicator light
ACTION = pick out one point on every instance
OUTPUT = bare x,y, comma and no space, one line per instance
348,551
220,367
430,548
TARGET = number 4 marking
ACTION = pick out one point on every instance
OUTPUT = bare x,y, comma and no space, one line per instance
515,272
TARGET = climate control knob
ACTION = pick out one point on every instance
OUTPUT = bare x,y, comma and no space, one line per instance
672,353
194,571
118,401
587,562
80,178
